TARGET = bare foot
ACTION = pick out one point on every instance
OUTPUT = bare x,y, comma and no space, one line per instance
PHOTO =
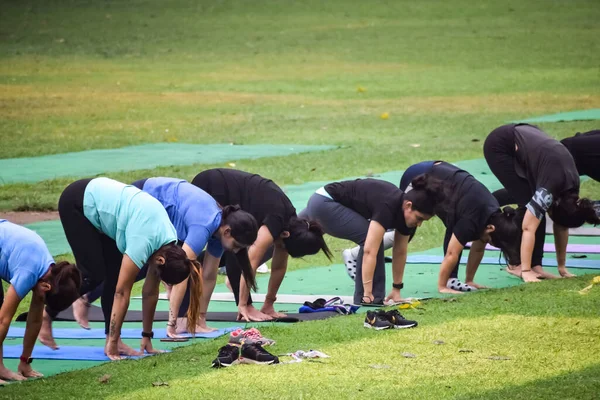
476,285
7,374
566,274
544,274
270,311
81,309
514,270
45,335
530,276
201,326
249,313
126,350
447,290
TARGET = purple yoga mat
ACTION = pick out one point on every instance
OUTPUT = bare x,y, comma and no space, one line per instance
571,248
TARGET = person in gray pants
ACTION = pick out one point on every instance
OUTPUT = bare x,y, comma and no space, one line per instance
361,211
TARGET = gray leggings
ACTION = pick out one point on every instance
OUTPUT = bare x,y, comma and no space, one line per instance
344,223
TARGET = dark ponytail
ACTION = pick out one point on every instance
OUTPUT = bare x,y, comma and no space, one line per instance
244,229
508,231
571,211
306,238
65,282
176,269
427,194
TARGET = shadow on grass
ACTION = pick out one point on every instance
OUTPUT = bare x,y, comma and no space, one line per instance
582,384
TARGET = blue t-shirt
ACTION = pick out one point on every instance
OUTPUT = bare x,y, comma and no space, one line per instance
136,221
195,214
24,257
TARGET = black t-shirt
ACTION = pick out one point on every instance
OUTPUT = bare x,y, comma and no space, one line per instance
374,199
546,164
468,209
585,149
254,194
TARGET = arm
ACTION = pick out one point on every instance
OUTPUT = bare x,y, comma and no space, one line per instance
369,261
126,280
256,253
34,323
561,239
451,258
398,263
178,292
278,270
210,269
475,256
149,299
530,225
7,312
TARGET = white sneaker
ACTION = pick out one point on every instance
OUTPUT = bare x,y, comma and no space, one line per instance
455,284
350,263
263,269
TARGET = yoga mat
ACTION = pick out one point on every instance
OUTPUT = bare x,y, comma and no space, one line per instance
586,230
146,156
579,115
126,333
550,247
96,315
76,353
281,298
575,263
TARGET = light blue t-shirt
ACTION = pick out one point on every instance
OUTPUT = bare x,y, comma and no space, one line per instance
24,257
136,221
195,214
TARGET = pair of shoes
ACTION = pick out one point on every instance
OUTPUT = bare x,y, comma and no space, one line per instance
381,319
250,336
455,284
248,354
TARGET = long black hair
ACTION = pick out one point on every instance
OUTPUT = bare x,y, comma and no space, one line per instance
244,229
306,238
508,232
427,194
571,211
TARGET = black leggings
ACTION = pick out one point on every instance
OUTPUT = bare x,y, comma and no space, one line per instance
96,255
500,154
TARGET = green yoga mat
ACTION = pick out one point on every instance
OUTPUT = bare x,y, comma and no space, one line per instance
147,156
579,115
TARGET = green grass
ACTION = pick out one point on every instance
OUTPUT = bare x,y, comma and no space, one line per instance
78,75
550,343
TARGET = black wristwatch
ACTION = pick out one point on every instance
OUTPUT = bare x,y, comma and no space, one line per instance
148,334
398,286
26,360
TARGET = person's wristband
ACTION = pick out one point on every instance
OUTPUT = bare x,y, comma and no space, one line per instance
149,335
398,285
26,360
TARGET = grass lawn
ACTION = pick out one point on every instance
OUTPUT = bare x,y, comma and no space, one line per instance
78,75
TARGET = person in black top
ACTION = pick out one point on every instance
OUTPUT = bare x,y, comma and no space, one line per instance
281,234
539,172
585,149
362,210
470,214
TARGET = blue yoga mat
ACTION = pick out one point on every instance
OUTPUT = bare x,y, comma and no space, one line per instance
126,333
571,262
76,353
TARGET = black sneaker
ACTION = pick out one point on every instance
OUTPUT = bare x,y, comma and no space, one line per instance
397,319
374,320
228,356
255,354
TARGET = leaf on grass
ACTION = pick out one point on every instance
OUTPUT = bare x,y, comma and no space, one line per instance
465,351
160,383
450,300
409,355
439,342
104,378
498,358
